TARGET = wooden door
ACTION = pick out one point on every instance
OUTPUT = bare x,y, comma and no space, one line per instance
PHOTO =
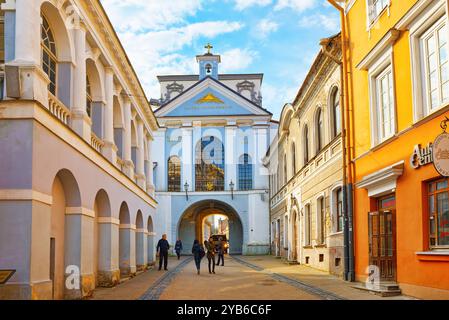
382,243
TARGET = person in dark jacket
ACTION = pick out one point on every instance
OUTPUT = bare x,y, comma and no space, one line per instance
209,245
178,248
162,249
220,251
198,254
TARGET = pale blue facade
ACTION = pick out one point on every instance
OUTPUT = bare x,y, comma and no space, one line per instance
239,127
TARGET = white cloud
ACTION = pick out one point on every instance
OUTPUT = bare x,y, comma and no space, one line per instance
276,96
297,5
138,15
330,23
236,59
265,27
155,53
244,4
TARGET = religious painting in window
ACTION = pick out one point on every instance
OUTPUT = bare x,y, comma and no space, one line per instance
174,174
49,61
245,173
209,165
88,98
438,195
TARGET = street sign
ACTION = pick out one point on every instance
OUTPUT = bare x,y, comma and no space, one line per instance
5,275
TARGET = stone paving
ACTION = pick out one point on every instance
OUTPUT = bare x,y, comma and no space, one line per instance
242,278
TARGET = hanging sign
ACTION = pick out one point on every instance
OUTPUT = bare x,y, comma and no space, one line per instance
441,154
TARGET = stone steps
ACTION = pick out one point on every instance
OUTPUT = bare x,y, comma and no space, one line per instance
386,289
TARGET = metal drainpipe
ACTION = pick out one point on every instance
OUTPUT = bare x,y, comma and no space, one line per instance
349,274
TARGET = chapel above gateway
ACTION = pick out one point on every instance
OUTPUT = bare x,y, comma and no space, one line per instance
247,85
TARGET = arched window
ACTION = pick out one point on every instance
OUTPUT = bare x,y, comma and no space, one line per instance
319,128
245,173
306,145
294,158
88,98
336,112
174,174
209,165
285,169
49,61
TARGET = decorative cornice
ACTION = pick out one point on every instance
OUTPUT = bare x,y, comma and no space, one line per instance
384,176
387,41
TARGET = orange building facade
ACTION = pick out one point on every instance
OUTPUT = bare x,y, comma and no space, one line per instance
398,89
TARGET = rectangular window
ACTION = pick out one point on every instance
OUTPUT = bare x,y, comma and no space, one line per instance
308,222
376,7
385,104
438,194
435,62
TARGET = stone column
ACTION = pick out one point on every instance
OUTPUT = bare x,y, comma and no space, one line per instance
160,159
187,158
127,249
129,166
260,148
79,250
108,253
81,122
109,149
149,166
140,166
141,249
23,51
150,248
230,155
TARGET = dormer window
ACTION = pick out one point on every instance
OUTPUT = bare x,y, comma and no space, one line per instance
208,68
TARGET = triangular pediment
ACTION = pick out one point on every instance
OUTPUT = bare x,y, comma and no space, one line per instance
210,98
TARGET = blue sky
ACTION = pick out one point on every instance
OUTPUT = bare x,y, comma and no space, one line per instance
276,37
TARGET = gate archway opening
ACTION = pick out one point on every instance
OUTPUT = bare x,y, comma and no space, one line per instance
211,217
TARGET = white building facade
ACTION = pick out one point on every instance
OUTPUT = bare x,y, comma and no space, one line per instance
76,131
212,138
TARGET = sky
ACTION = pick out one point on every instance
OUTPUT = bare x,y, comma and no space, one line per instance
279,38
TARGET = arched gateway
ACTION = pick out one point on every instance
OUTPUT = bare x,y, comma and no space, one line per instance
193,224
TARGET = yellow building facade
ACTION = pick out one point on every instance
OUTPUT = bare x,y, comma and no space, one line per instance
398,95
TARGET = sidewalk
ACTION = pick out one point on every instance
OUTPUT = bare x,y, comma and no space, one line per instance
134,288
315,278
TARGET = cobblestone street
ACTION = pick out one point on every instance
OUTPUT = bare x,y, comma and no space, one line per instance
242,278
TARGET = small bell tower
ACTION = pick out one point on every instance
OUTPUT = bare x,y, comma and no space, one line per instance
208,63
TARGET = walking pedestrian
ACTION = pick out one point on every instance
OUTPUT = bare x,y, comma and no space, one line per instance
209,245
162,249
220,251
178,248
198,254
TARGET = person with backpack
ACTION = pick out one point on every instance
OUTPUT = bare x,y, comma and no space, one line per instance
198,254
178,248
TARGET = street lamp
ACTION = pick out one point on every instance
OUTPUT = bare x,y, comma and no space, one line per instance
231,185
186,188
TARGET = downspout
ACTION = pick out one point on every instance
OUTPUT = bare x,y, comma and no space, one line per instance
349,274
